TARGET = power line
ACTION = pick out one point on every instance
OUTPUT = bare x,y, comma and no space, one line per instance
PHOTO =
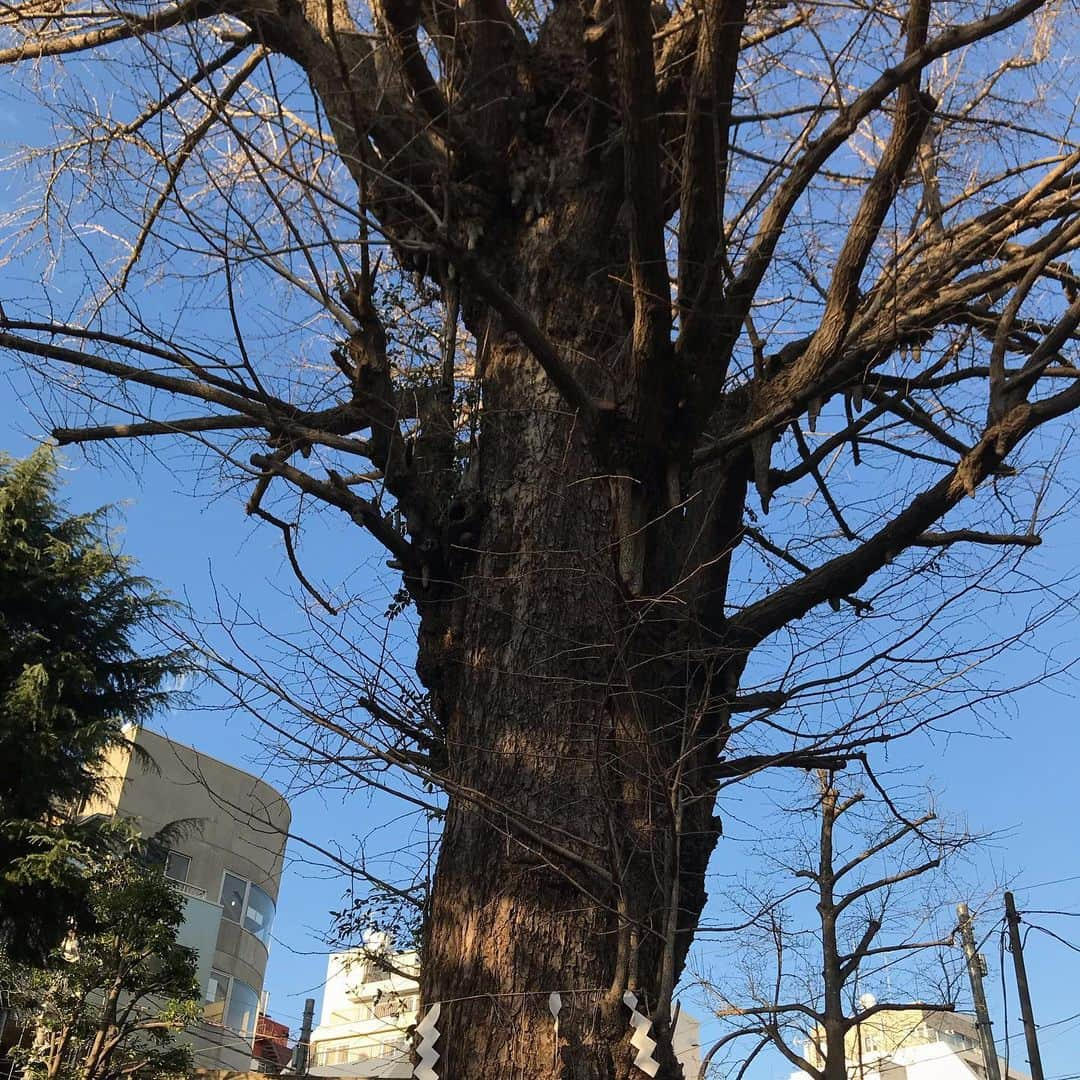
1046,884
1064,1020
1056,937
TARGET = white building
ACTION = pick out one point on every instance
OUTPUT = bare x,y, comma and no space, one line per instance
367,1010
913,1044
369,1007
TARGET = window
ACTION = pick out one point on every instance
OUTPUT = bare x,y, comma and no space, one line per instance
258,913
243,1009
177,866
352,1051
342,1052
231,1003
233,891
245,903
217,990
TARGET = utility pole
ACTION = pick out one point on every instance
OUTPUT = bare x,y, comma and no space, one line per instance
975,974
303,1044
1016,946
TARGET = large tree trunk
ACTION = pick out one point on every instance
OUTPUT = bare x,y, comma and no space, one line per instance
532,659
571,580
565,718
540,697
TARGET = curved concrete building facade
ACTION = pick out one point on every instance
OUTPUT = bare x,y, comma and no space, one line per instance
227,857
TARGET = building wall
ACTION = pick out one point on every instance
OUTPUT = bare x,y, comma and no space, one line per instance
912,1044
228,855
686,1042
367,1012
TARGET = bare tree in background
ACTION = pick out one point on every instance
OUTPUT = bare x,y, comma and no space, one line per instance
853,903
696,366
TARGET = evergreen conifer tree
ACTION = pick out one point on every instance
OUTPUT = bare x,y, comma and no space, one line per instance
71,677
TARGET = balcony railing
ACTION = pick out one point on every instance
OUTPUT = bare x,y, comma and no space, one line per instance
189,890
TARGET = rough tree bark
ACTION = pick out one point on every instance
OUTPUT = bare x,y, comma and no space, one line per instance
581,633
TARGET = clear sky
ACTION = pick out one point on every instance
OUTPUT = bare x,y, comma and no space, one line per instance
1018,782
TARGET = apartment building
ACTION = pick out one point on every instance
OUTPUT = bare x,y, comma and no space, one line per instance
912,1044
227,861
370,1005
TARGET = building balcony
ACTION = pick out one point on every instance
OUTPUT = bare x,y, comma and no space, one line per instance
185,888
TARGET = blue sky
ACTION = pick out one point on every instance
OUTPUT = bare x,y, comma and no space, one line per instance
204,552
1018,782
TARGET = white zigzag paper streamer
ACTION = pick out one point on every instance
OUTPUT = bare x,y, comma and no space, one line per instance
554,1007
641,1040
427,1033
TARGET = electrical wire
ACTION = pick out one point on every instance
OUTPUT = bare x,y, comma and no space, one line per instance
1056,937
1055,1023
1046,884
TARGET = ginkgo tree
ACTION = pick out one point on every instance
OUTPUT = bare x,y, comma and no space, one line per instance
853,894
699,366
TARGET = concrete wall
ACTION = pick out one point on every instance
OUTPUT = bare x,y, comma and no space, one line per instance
233,823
